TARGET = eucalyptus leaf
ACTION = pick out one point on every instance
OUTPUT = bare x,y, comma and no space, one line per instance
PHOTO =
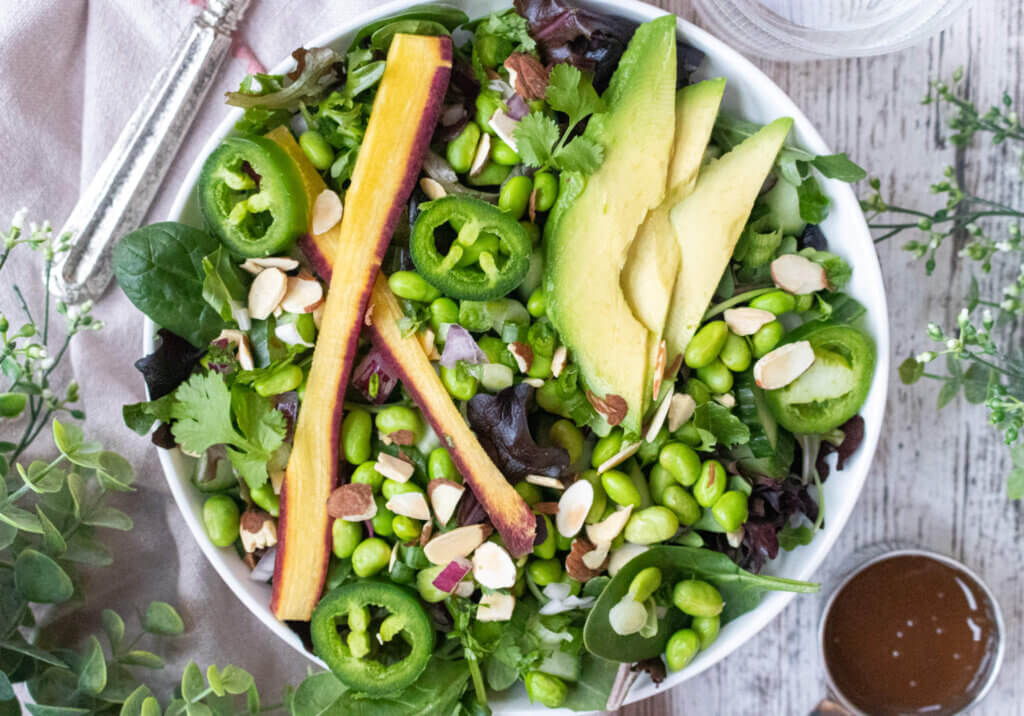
8,532
40,579
76,489
71,442
92,677
114,472
43,710
162,618
53,540
41,477
113,626
145,659
23,647
236,680
214,680
911,371
132,705
192,684
83,548
6,690
20,519
109,517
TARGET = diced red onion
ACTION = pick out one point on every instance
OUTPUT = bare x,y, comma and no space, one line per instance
374,364
500,85
452,574
517,107
264,569
460,346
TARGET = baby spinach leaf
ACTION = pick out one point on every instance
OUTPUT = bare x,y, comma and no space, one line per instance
591,691
160,268
741,590
435,693
225,287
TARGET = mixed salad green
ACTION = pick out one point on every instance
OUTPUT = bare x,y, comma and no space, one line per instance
578,191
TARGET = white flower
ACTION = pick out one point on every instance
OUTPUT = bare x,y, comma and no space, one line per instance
18,221
926,357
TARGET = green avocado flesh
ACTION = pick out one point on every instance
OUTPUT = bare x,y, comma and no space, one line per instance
589,230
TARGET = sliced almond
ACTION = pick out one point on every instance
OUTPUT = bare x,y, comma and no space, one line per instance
797,274
277,480
318,316
613,408
783,365
680,410
493,567
285,263
747,321
257,531
574,564
523,355
610,527
496,607
459,542
426,532
627,451
304,294
573,507
620,557
659,417
735,538
327,211
534,382
597,558
659,370
410,504
444,497
505,127
352,502
432,188
558,360
483,153
545,481
394,468
245,355
727,400
266,292
465,589
394,557
426,339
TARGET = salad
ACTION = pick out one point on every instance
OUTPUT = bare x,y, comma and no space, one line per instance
504,353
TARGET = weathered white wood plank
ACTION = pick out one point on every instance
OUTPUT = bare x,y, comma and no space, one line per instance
938,480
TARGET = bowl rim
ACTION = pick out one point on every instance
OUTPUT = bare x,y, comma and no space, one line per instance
856,239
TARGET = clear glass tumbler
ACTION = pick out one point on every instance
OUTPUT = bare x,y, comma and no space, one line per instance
791,30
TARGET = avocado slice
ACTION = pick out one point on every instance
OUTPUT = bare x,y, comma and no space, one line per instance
591,226
709,222
652,264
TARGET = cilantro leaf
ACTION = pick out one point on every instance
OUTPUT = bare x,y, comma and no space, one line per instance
511,26
813,202
569,93
141,416
791,537
581,155
839,166
535,139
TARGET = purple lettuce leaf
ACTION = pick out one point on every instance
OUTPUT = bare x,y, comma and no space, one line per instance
169,365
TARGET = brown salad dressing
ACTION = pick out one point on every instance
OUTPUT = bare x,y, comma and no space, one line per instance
910,635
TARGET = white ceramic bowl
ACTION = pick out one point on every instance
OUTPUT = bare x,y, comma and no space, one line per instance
755,97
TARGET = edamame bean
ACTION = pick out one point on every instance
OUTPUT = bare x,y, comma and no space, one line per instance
345,537
461,150
396,418
706,344
264,497
285,378
412,287
390,488
600,503
443,310
491,175
567,436
459,382
487,103
440,466
530,493
406,528
370,557
545,688
707,629
777,302
681,648
735,353
766,338
716,376
221,518
356,431
659,480
316,149
711,483
804,302
366,474
503,154
425,585
697,390
545,571
683,504
697,598
537,303
546,187
547,548
515,195
606,448
651,525
645,584
730,510
620,488
681,461
688,434
381,521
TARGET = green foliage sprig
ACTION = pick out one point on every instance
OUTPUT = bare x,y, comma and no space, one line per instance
980,360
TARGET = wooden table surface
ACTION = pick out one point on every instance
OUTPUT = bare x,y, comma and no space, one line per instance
939,477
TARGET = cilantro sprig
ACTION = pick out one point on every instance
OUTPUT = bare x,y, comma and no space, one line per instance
540,140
